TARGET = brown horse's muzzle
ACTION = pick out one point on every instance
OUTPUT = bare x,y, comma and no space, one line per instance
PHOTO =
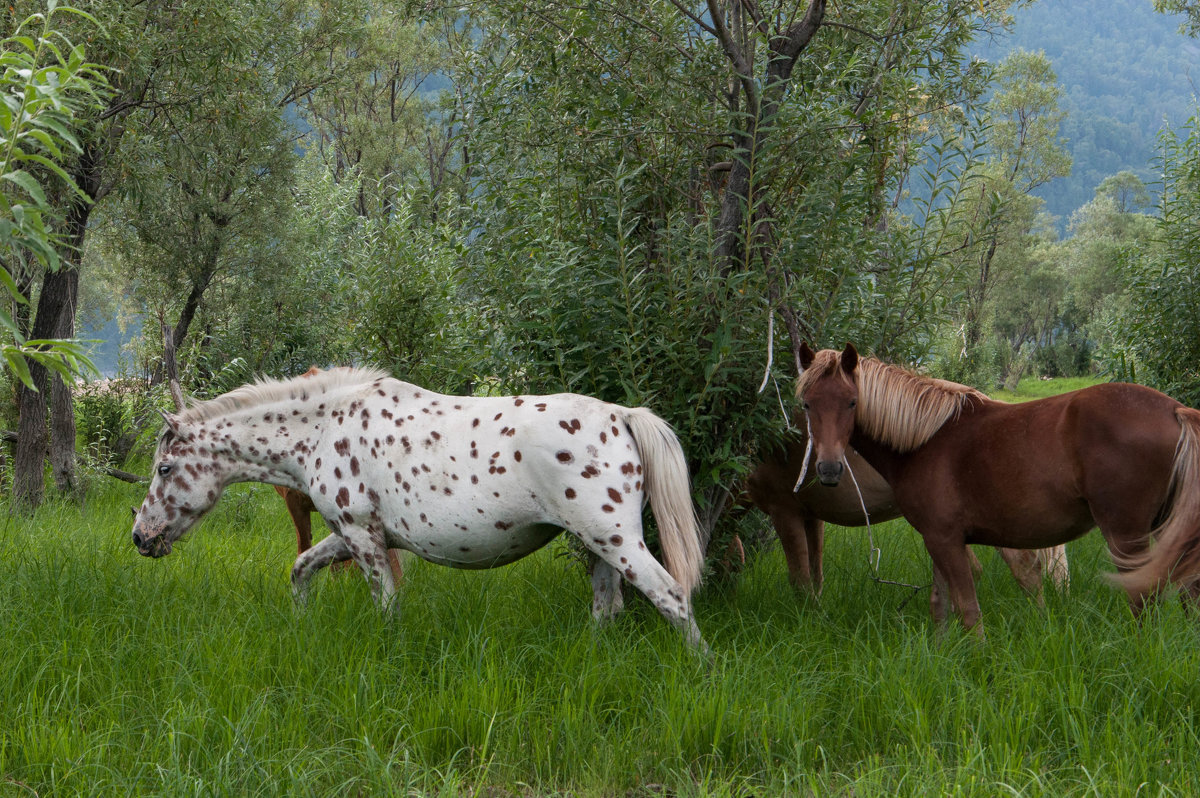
829,472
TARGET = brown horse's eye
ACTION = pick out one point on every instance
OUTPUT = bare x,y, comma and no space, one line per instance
853,403
804,405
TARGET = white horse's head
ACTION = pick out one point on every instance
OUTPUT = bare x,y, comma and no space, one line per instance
186,482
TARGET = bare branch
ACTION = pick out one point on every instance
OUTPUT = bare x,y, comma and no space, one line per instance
732,51
169,363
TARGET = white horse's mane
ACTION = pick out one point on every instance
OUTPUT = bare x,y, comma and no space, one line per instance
266,390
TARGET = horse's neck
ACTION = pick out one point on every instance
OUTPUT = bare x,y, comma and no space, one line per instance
239,438
880,456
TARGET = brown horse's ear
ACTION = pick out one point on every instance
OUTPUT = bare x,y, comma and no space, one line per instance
849,358
807,356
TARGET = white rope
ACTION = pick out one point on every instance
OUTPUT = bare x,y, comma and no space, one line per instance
787,419
873,553
807,453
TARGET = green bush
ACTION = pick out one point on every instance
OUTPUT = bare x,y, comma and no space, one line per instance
105,413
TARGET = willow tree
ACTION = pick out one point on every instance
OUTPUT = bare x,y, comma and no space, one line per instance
185,74
653,185
1026,152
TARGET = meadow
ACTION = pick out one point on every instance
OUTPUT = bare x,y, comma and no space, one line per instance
196,675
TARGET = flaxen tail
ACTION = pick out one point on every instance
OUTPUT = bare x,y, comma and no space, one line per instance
669,487
1174,556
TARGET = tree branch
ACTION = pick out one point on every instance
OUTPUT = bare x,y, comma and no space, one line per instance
736,57
115,473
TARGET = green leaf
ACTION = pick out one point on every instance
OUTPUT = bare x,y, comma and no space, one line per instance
7,322
26,181
16,362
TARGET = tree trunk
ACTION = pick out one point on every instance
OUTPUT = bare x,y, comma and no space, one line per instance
745,188
1016,370
29,479
55,319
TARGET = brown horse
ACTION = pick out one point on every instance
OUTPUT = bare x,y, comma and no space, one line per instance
967,469
799,516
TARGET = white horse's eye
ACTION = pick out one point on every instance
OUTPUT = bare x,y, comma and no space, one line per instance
163,470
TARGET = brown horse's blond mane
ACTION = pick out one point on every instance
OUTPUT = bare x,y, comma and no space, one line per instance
895,406
266,390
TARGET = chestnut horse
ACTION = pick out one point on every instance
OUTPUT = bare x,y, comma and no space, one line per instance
799,514
967,469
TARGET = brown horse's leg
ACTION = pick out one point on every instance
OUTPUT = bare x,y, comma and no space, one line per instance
1054,564
952,559
1026,569
1120,544
299,506
793,533
397,568
938,608
976,565
1126,535
814,531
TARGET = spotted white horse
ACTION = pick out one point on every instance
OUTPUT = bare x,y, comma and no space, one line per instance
468,482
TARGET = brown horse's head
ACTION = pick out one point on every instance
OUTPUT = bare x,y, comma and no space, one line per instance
829,394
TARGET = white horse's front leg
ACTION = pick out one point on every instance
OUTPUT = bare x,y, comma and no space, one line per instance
367,546
331,549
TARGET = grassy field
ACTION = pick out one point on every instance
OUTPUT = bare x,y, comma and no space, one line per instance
195,675
1035,388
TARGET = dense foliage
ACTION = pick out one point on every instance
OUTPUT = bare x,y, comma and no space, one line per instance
649,205
1158,338
45,83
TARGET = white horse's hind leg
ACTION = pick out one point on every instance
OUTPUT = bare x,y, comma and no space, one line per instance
331,549
607,600
627,554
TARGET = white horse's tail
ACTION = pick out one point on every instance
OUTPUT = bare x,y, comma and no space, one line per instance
669,488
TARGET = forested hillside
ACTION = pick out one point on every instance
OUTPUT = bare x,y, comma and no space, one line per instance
1126,71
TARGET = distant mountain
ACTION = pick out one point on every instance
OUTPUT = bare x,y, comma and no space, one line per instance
1126,72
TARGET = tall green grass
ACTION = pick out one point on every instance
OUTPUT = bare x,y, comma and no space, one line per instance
195,675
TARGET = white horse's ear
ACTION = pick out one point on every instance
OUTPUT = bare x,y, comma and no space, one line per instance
171,420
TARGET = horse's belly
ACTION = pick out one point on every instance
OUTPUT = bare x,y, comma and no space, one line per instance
1035,531
477,548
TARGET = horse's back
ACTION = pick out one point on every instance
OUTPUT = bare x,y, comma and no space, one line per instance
479,481
1034,473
